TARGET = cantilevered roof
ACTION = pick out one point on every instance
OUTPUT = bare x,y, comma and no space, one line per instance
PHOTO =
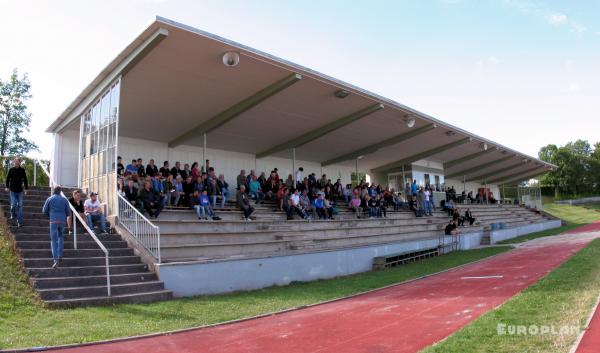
175,88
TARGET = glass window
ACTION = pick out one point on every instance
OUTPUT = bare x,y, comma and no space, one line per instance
114,101
105,110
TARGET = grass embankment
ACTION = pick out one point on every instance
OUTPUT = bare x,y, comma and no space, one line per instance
575,216
23,323
564,298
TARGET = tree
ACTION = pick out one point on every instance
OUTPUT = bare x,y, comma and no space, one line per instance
577,167
14,117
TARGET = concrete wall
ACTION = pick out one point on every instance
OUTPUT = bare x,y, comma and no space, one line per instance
226,162
187,279
503,234
579,201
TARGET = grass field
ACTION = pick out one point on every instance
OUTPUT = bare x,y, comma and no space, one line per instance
563,298
575,216
24,323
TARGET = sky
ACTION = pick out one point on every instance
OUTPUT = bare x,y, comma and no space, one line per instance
521,73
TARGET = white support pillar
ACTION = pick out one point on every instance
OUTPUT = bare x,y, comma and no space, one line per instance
403,178
356,172
465,184
294,165
204,154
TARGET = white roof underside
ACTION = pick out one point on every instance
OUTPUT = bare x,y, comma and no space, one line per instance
182,82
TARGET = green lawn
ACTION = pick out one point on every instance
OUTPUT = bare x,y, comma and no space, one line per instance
592,206
575,216
25,323
565,297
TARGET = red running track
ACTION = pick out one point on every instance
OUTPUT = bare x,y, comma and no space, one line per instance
402,318
591,339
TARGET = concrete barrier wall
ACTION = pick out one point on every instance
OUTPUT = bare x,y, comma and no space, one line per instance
189,278
579,201
503,234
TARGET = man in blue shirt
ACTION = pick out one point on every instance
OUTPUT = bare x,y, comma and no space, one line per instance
57,209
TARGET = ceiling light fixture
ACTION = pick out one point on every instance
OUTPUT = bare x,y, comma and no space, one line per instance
231,59
342,94
409,120
450,133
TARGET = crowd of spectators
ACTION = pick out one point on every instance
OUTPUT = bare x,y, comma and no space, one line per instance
150,189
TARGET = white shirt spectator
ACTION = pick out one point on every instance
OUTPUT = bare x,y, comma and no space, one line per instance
295,199
427,194
91,206
299,176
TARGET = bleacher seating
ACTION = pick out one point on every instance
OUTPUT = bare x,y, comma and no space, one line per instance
185,238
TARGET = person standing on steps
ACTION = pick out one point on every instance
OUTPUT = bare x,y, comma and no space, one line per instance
57,209
16,184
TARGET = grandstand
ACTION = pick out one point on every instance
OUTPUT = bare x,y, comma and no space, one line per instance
177,93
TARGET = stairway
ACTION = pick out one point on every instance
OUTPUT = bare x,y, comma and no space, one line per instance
81,278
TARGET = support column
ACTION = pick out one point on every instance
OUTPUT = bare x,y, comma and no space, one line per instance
356,172
518,196
465,184
294,166
403,179
204,154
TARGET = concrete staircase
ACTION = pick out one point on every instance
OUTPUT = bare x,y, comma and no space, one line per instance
81,278
185,238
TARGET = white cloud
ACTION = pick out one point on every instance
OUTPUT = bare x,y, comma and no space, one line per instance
557,18
493,60
574,87
578,27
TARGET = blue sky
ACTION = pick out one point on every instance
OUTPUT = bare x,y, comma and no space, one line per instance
522,73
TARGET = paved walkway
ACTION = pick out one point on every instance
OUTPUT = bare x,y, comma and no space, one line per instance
403,318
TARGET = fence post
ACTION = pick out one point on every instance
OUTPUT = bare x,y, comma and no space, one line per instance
35,172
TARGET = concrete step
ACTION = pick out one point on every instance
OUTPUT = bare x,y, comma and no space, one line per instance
99,290
135,298
81,244
44,272
79,253
81,261
45,236
79,281
207,250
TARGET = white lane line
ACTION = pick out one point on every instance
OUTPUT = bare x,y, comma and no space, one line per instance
481,277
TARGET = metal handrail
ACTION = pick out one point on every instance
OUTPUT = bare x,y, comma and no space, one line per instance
77,216
144,231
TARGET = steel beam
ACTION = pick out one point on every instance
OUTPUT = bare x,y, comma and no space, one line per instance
516,176
320,131
237,109
470,157
394,166
377,146
478,167
496,172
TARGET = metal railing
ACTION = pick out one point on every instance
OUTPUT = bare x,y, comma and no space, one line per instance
144,231
77,216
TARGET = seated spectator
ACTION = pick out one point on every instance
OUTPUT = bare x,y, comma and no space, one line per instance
153,203
188,192
469,217
449,207
371,205
120,167
165,170
132,168
451,228
241,180
347,193
203,206
323,181
319,207
186,171
456,217
224,188
151,168
195,171
131,194
93,212
306,205
256,191
75,201
289,182
159,186
381,207
294,204
262,179
355,205
470,197
282,191
176,170
413,206
243,202
328,206
213,191
141,169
